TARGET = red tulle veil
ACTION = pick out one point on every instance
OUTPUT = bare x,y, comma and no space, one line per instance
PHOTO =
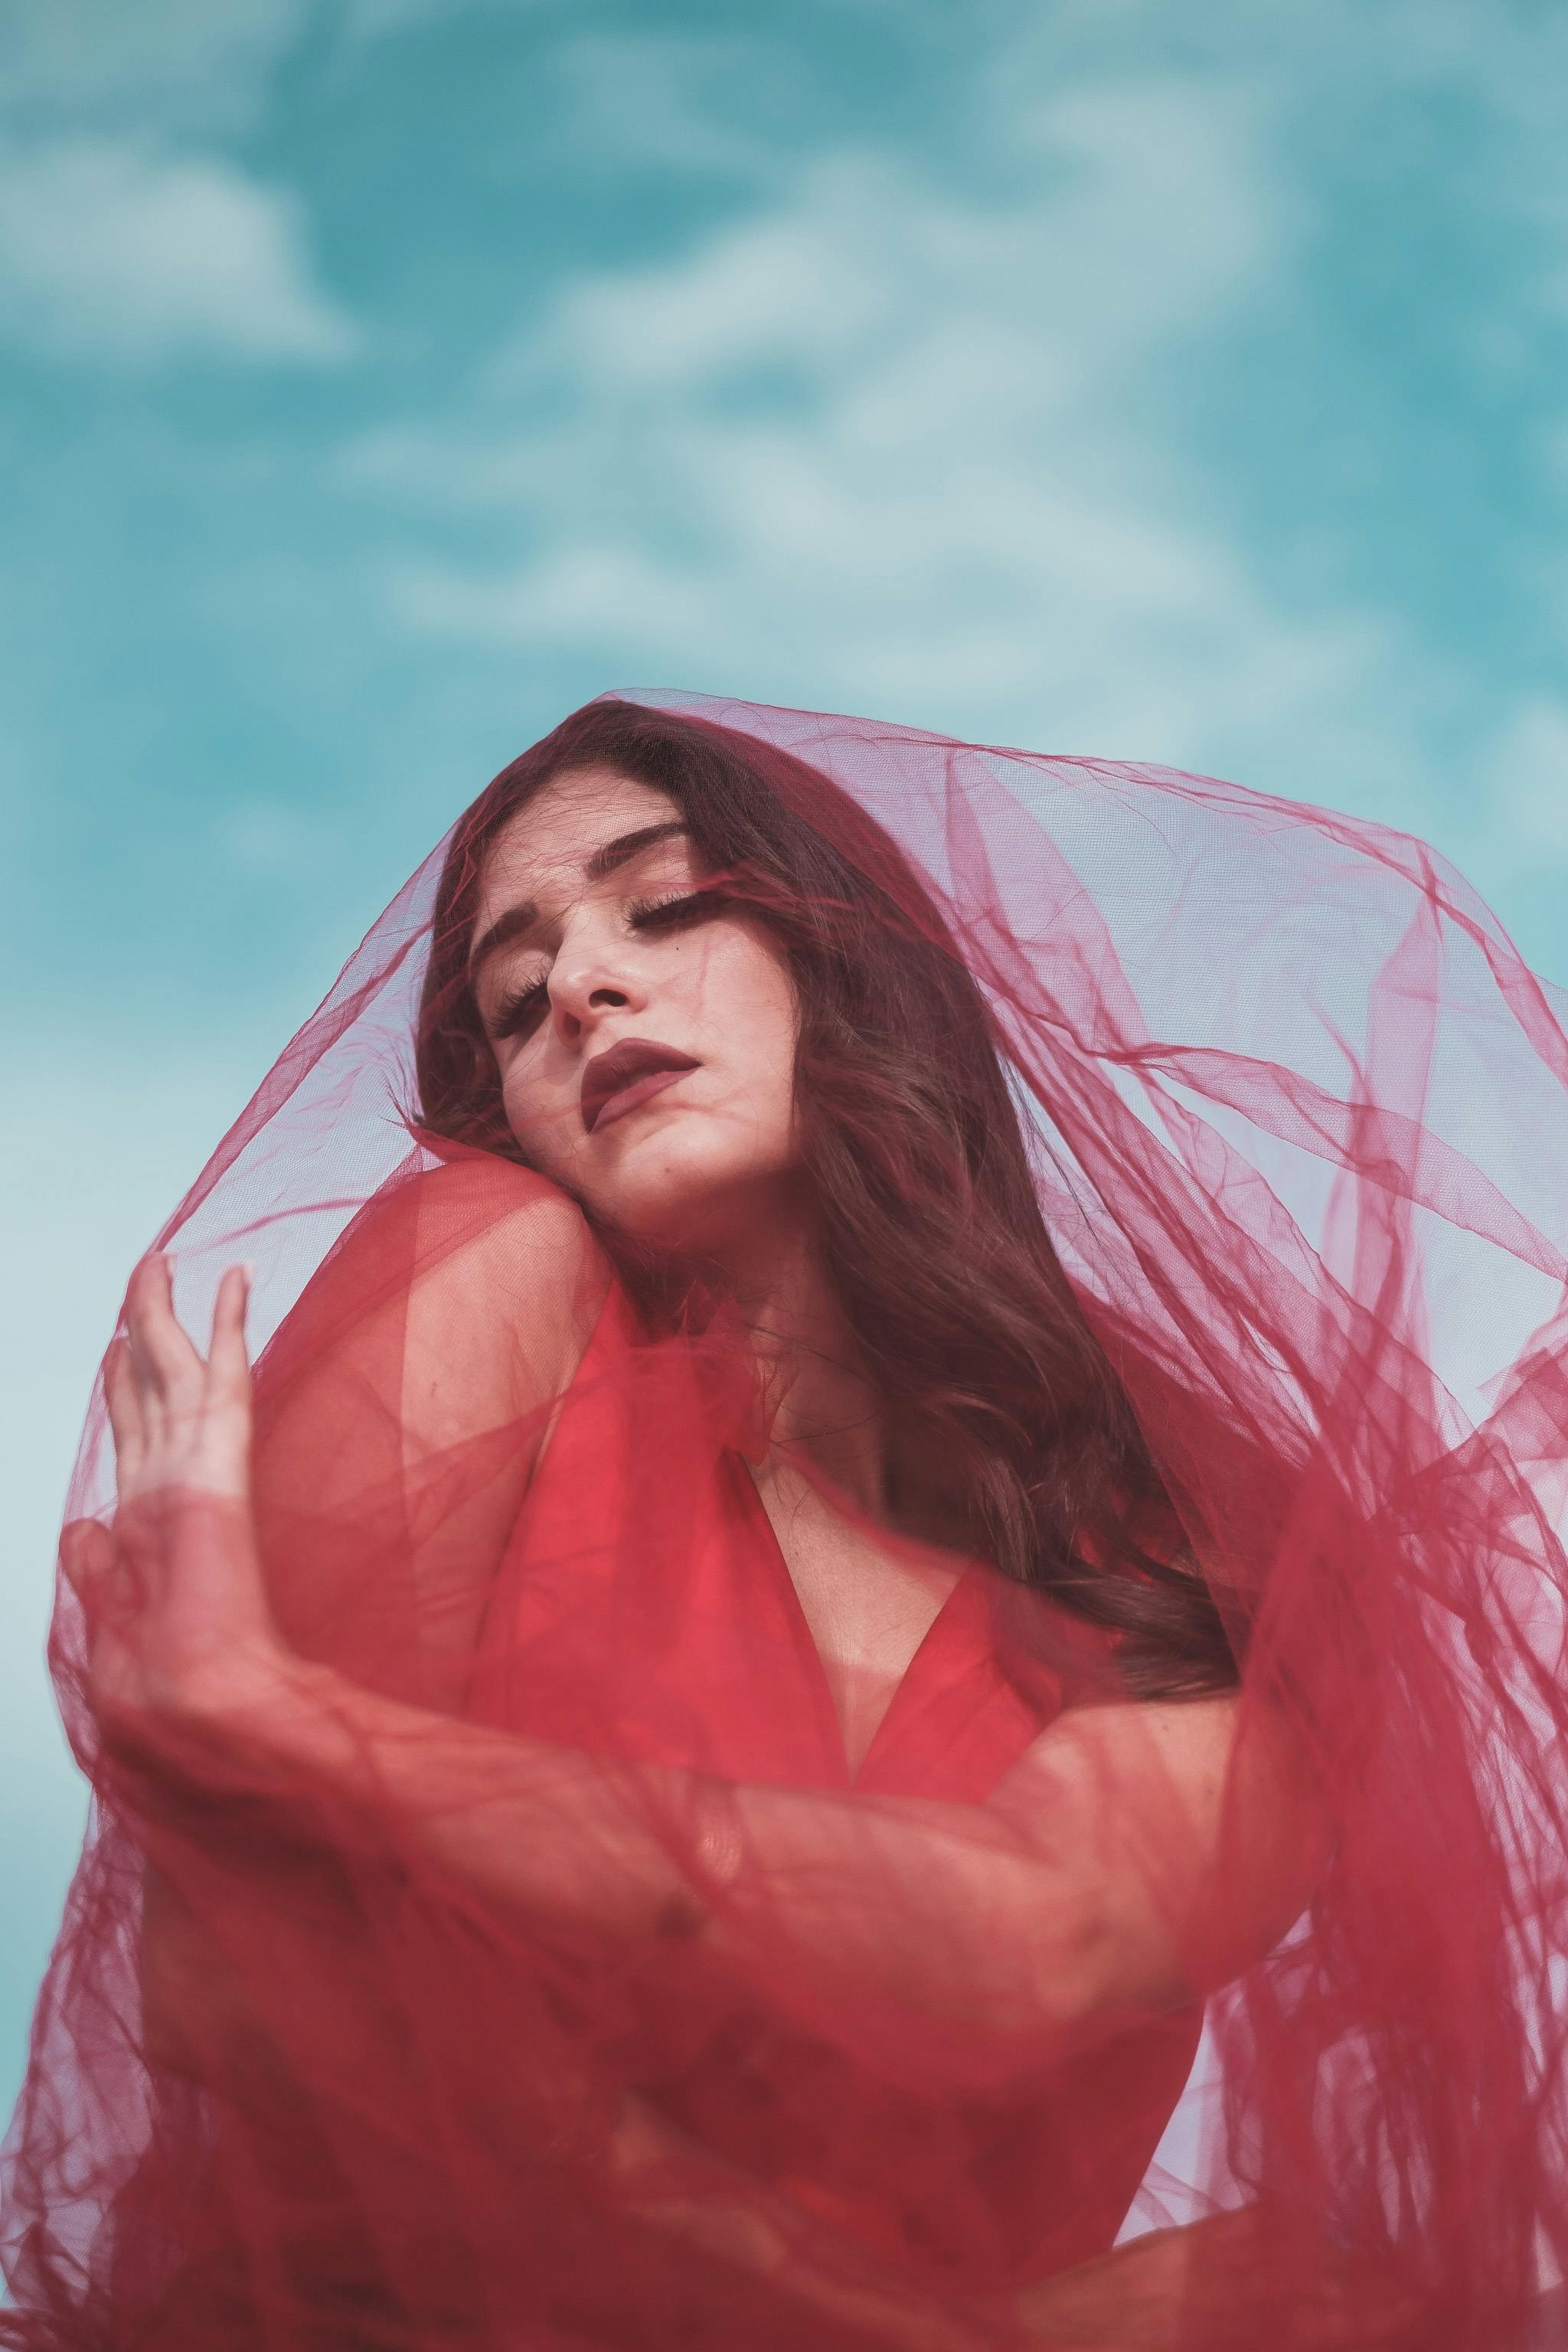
1298,1119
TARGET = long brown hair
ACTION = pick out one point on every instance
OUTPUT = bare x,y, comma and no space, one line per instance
932,1227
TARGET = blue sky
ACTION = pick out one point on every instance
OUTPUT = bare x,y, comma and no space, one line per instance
378,378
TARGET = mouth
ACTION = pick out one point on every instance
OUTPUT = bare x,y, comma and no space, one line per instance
629,1074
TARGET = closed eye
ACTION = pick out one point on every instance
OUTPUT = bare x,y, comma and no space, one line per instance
669,914
519,1011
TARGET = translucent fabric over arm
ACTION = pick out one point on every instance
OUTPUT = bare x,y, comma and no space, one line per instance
584,1996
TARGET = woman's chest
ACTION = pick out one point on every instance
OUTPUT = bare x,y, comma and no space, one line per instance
868,1604
653,1604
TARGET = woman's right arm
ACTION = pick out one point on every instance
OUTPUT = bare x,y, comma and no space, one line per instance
399,1412
398,1416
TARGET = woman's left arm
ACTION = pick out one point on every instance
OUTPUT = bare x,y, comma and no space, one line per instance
1138,1857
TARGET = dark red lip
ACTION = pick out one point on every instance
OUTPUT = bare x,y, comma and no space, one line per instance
622,1065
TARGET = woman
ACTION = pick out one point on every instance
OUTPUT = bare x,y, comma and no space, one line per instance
774,1629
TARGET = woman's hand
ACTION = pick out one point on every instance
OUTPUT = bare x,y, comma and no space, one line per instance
179,1630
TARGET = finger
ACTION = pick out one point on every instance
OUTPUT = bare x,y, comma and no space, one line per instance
125,1417
228,1361
167,1363
144,1368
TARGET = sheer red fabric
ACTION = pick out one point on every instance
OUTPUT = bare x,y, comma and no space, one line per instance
427,2064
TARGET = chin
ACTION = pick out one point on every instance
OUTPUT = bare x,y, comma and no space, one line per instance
695,1209
679,1219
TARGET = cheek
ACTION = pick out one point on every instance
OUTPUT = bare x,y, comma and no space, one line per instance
757,1014
544,1120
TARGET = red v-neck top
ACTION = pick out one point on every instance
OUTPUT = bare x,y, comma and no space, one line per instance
644,1609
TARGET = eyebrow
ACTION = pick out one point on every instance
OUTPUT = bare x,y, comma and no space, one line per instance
596,868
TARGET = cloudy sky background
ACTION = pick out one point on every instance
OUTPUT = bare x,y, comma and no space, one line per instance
378,378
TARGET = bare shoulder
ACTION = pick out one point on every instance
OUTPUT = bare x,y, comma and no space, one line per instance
474,1279
484,1224
506,1270
1111,1746
1209,1752
1198,1820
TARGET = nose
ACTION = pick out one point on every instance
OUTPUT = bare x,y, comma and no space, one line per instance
593,974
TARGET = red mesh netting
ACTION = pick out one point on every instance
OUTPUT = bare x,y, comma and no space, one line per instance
597,1968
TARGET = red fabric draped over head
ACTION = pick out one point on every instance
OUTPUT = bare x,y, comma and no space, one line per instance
1188,1166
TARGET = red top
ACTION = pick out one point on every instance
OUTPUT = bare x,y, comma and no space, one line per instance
706,1661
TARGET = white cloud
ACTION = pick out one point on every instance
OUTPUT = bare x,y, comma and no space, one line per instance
1151,207
373,20
108,248
1524,777
187,69
197,64
881,446
682,101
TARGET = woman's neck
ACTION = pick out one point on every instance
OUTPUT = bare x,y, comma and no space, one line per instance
821,1407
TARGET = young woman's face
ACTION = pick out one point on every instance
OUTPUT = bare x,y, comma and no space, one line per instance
644,1036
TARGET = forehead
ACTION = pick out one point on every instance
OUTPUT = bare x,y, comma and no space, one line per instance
543,848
